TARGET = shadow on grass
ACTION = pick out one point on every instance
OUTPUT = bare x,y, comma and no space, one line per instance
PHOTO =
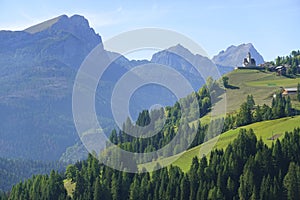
232,87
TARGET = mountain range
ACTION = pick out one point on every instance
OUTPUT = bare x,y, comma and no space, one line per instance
234,55
37,71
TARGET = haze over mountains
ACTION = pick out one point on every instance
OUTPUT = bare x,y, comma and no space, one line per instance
37,71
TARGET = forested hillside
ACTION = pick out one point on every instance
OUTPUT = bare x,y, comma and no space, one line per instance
14,170
292,62
242,167
247,169
149,100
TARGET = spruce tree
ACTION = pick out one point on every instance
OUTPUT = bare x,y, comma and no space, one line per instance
288,107
97,189
291,182
115,186
185,188
298,92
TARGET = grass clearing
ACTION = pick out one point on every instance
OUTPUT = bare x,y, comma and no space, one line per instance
286,82
70,187
264,130
262,85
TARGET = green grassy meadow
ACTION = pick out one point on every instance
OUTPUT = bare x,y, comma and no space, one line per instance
262,85
264,130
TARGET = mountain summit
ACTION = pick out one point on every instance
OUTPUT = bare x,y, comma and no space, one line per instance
65,40
76,25
37,70
234,55
44,25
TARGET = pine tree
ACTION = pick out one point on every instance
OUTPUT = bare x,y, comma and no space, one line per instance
115,186
220,195
254,195
230,188
143,118
298,92
258,114
126,181
288,107
97,190
56,186
265,188
291,182
246,184
213,193
225,80
250,101
71,172
134,190
80,186
114,137
145,186
185,188
244,116
194,182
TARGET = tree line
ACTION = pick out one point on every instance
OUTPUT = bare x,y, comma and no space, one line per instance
246,169
293,60
250,113
14,170
166,128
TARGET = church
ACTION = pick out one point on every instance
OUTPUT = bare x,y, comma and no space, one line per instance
249,62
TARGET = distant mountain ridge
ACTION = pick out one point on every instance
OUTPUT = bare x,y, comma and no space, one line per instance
234,55
183,61
37,71
76,25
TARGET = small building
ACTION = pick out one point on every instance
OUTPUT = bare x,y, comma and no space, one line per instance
288,91
268,66
281,70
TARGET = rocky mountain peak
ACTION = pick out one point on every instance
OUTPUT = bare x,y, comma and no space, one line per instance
179,49
76,25
44,25
61,23
234,55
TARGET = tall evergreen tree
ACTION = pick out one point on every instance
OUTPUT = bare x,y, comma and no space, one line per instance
80,186
185,188
250,101
134,190
298,91
291,182
244,116
115,186
288,107
97,189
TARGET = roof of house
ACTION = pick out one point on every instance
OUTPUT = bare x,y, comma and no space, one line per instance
279,67
291,89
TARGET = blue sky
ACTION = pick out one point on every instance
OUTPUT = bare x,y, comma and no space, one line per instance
271,25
